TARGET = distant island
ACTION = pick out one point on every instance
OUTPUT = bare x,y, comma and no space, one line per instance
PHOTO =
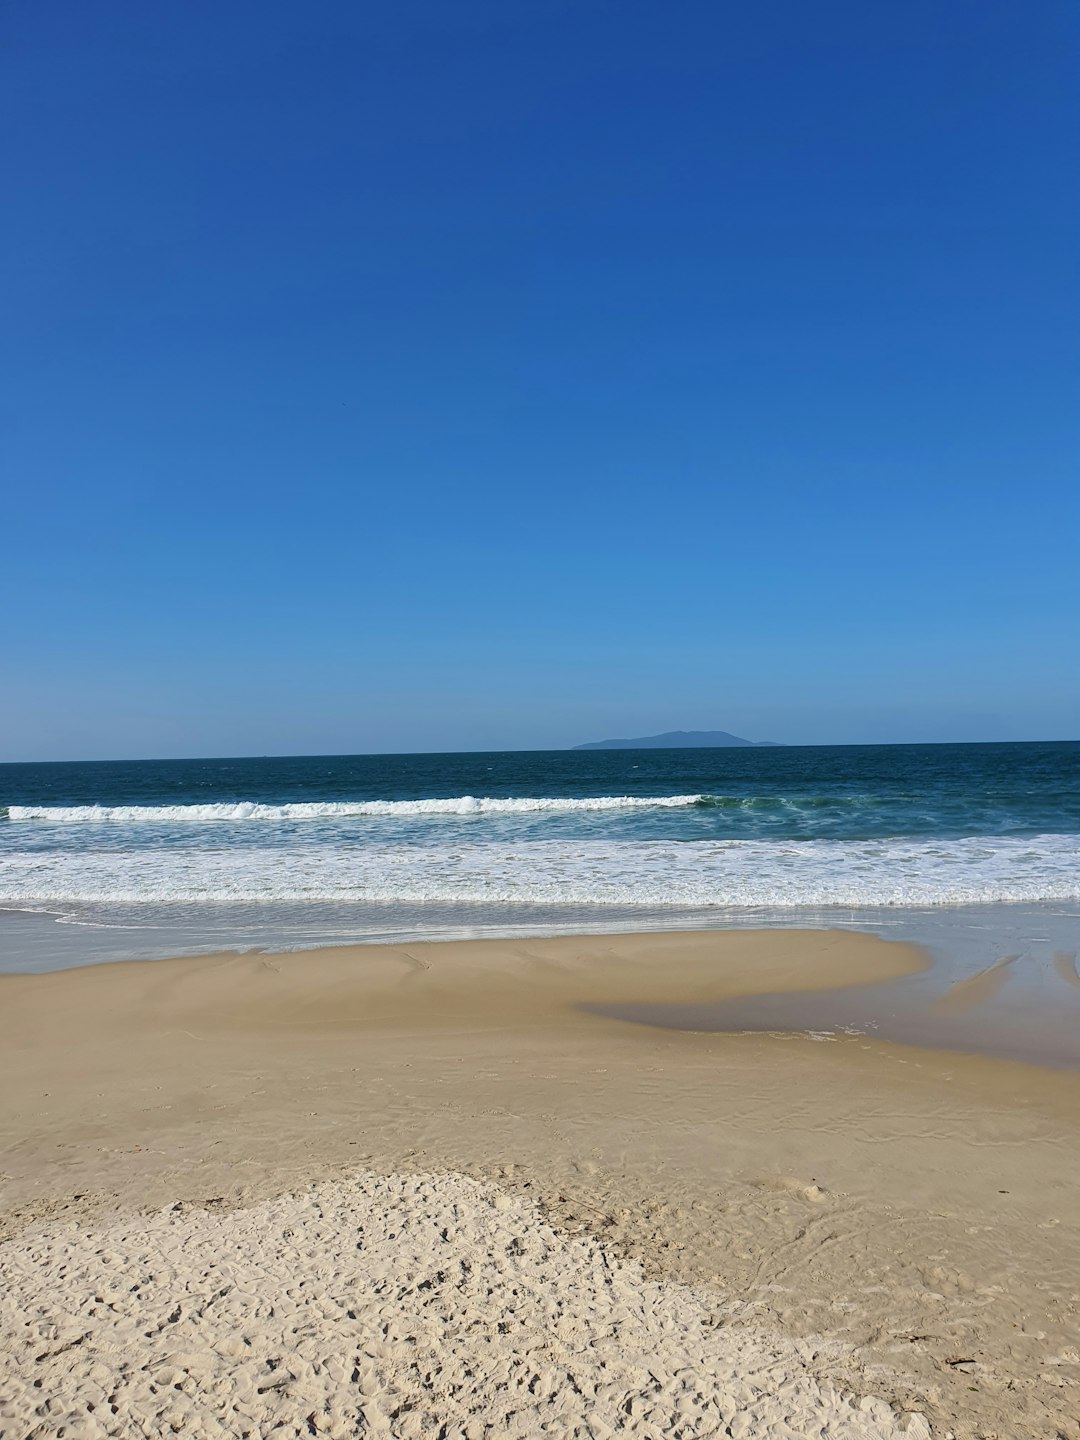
676,740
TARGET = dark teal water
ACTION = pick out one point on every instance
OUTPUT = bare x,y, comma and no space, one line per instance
852,792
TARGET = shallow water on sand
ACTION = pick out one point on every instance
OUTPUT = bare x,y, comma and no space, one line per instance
1003,980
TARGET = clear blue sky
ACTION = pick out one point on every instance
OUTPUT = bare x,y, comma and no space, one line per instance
499,374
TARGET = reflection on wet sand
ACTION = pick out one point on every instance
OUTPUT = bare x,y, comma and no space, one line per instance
976,989
1033,1018
1065,965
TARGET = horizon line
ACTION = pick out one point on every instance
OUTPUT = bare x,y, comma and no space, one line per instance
585,747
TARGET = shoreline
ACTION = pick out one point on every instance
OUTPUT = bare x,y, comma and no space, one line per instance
1002,981
911,1206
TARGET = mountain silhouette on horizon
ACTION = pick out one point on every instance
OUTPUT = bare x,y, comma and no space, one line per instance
677,740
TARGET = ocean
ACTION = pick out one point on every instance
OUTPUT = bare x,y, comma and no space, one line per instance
154,857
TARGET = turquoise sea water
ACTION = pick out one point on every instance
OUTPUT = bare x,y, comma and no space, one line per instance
145,857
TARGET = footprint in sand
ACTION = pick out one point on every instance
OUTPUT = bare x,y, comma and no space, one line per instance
808,1191
977,989
1065,965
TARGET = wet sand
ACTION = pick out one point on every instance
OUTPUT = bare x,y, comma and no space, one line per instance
907,1213
1036,1020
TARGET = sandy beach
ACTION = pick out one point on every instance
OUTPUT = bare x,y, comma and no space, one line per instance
453,1189
540,744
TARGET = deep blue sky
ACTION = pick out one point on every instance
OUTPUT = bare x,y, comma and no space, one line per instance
498,374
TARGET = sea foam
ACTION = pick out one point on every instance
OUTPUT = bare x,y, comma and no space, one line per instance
732,874
343,809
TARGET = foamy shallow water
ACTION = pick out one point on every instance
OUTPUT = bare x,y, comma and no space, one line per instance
731,873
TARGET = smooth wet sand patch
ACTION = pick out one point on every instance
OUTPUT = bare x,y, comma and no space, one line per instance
475,985
1065,965
976,989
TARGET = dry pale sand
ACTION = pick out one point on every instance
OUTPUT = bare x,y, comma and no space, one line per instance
779,1223
405,1306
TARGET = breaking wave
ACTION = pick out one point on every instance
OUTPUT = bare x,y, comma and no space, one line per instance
343,809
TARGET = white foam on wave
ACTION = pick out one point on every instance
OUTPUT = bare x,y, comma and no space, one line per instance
343,809
737,873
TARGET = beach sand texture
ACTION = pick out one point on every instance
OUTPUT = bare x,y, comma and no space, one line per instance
868,1219
405,1306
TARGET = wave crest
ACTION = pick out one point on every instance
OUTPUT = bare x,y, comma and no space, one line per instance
344,809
